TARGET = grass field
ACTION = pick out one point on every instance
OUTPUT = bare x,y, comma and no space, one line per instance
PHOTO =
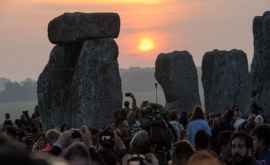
15,109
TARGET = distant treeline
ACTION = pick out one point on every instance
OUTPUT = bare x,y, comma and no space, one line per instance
138,79
12,91
135,79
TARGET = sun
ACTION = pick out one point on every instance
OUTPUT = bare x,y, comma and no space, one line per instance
146,44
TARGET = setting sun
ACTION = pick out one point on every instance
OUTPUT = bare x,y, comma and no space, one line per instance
146,44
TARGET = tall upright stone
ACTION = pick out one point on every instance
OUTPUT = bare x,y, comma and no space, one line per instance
50,88
81,82
54,83
260,68
225,80
97,83
177,74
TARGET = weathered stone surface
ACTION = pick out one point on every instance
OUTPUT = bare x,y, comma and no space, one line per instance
225,80
77,27
177,74
43,96
96,86
260,68
54,83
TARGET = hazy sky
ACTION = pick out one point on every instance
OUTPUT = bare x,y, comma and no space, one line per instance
194,25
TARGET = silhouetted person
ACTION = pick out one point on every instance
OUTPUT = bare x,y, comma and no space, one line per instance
224,146
198,122
202,140
13,153
228,121
178,128
183,150
242,149
184,119
261,137
8,122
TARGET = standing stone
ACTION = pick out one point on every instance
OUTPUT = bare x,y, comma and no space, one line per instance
260,68
49,96
177,74
96,87
225,80
77,27
54,83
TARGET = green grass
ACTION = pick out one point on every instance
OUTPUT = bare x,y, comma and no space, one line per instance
15,109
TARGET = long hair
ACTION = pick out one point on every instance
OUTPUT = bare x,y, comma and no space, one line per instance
197,113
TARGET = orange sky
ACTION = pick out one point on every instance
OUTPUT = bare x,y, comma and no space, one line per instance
104,1
194,25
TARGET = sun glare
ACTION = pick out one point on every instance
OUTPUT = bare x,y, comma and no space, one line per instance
146,44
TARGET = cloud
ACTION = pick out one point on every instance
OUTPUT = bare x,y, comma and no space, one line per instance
110,2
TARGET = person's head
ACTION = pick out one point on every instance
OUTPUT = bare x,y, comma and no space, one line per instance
204,158
184,118
18,123
237,113
202,140
7,116
144,104
140,143
242,147
229,115
12,152
11,132
123,128
173,115
259,120
184,115
35,115
94,133
256,109
119,117
198,113
126,104
183,150
261,137
52,135
26,113
77,154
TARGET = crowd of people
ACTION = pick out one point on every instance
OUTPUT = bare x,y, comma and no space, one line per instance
142,135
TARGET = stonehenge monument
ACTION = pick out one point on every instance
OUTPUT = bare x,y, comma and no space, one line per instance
81,84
